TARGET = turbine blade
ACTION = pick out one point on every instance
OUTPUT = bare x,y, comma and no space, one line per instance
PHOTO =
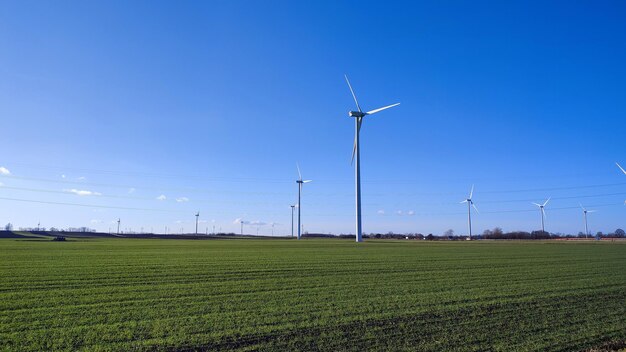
306,181
581,207
621,168
591,211
299,174
353,95
465,201
353,151
474,206
547,200
544,213
359,122
371,112
471,192
539,205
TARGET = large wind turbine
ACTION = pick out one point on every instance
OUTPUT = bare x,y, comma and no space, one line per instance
358,120
470,204
585,211
543,213
300,182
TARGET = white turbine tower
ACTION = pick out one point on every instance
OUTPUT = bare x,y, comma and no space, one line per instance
585,211
470,204
543,213
300,182
358,120
292,207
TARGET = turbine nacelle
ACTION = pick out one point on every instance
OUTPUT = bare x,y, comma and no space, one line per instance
356,114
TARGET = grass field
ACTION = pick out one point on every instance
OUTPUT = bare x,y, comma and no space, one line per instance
140,294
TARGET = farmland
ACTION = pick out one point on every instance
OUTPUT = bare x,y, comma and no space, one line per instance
152,294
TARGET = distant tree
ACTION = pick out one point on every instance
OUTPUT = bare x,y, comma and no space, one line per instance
540,234
8,227
449,233
599,234
620,233
497,231
430,237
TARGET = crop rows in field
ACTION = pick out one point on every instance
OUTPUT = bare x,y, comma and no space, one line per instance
120,294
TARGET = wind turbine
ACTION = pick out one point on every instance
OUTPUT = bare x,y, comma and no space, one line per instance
585,211
118,226
197,216
470,205
358,121
300,182
543,213
292,207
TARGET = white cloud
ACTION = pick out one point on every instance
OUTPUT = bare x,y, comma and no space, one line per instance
399,212
131,190
182,199
81,192
4,171
410,212
381,212
1,184
82,178
161,197
179,221
96,221
63,176
258,223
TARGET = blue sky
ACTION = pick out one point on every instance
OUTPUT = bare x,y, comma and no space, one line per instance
213,103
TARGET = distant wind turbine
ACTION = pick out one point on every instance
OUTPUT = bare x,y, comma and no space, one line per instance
118,226
543,213
292,208
470,204
197,216
358,120
585,211
300,182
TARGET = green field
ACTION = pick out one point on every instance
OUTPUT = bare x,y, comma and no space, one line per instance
141,294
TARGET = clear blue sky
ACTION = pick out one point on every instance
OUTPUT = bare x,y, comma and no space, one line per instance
213,103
